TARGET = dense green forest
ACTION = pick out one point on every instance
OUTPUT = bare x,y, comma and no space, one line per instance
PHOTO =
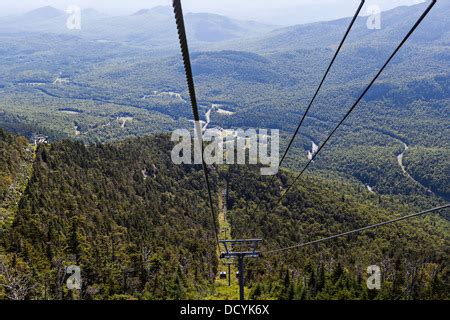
16,159
12,151
430,167
135,223
139,228
413,255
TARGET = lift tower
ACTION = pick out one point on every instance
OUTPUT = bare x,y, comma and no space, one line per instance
240,249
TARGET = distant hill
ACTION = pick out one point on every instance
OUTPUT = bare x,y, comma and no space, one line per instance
47,12
394,25
147,27
163,10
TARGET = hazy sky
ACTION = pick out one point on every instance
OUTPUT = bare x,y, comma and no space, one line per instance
282,12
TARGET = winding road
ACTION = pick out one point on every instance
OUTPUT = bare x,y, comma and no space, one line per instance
402,166
400,161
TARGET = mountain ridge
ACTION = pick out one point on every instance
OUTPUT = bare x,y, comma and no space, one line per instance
144,27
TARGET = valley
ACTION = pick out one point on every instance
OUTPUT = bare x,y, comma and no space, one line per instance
104,194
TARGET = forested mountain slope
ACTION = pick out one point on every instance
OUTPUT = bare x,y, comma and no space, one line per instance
136,224
140,227
328,34
12,152
412,255
16,157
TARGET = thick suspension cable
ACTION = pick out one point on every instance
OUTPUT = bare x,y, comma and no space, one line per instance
418,22
359,230
190,82
322,81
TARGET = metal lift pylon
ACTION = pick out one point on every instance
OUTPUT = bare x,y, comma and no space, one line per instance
231,253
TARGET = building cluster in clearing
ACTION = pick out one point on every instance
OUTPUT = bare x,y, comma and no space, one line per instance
38,139
230,136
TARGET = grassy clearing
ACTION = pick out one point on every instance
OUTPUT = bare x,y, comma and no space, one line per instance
221,289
